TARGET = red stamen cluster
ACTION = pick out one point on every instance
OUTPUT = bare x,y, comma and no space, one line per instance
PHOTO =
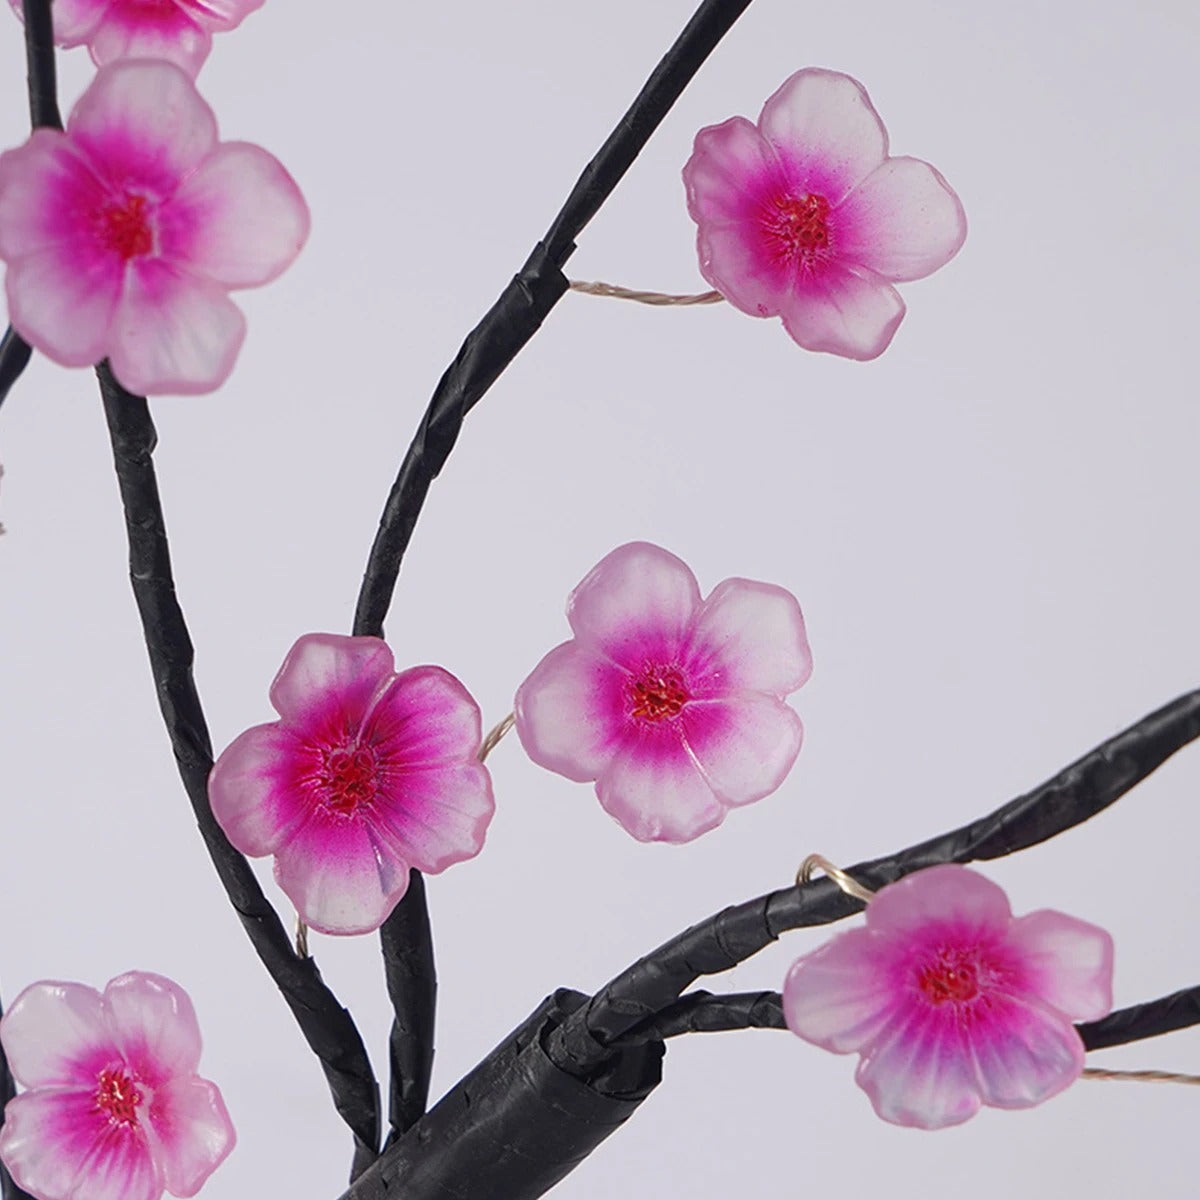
124,227
118,1097
658,694
349,778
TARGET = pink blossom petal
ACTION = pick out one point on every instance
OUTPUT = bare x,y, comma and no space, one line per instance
939,895
922,1074
437,816
327,682
658,794
224,14
339,875
567,712
43,185
733,262
638,600
424,717
840,311
74,20
745,745
173,332
836,998
1072,962
1024,1053
903,222
120,1168
822,120
193,1132
731,166
55,1035
749,637
240,219
254,793
132,31
145,121
154,1024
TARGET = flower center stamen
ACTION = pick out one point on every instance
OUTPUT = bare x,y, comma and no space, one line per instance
124,227
349,778
797,228
951,977
658,694
118,1097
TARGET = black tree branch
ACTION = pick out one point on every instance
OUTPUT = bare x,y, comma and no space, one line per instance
1080,791
15,352
327,1027
487,351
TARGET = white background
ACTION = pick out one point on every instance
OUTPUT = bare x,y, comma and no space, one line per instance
991,531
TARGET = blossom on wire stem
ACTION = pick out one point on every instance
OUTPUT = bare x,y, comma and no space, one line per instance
805,216
179,31
951,1002
114,1108
124,235
366,774
672,704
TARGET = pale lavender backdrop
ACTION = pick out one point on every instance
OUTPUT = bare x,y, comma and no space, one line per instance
991,530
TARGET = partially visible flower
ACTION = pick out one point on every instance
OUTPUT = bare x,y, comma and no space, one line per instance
114,1108
805,216
950,1002
124,234
673,705
367,774
179,31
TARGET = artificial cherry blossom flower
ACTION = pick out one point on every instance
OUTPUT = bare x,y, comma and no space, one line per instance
179,31
673,705
124,234
806,216
950,1002
114,1108
367,774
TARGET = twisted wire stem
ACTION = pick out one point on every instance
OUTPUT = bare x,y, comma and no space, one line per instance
657,299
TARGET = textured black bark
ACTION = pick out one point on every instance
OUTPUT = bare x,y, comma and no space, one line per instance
326,1025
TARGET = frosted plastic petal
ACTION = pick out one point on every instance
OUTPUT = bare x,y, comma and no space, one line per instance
732,260
732,164
55,1035
154,1024
74,20
163,31
327,682
1072,959
120,1167
938,895
424,717
193,1132
904,221
745,745
841,312
44,184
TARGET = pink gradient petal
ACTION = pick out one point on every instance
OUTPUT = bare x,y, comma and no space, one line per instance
146,122
253,793
1024,1053
940,895
638,600
55,1035
839,311
1072,962
745,745
74,20
568,712
220,14
43,184
657,792
120,1167
437,816
732,164
748,637
154,1024
922,1074
824,120
328,681
194,1134
732,261
424,717
903,222
131,30
239,219
173,333
63,303
340,876
836,998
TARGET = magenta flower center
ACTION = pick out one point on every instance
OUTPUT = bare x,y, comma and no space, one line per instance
658,694
796,229
117,1097
349,778
951,976
124,228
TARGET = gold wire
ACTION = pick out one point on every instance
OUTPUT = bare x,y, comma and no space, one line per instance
819,862
494,735
658,299
1141,1076
301,938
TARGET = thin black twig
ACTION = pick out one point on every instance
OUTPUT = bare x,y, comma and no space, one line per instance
15,353
488,350
1075,794
326,1025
